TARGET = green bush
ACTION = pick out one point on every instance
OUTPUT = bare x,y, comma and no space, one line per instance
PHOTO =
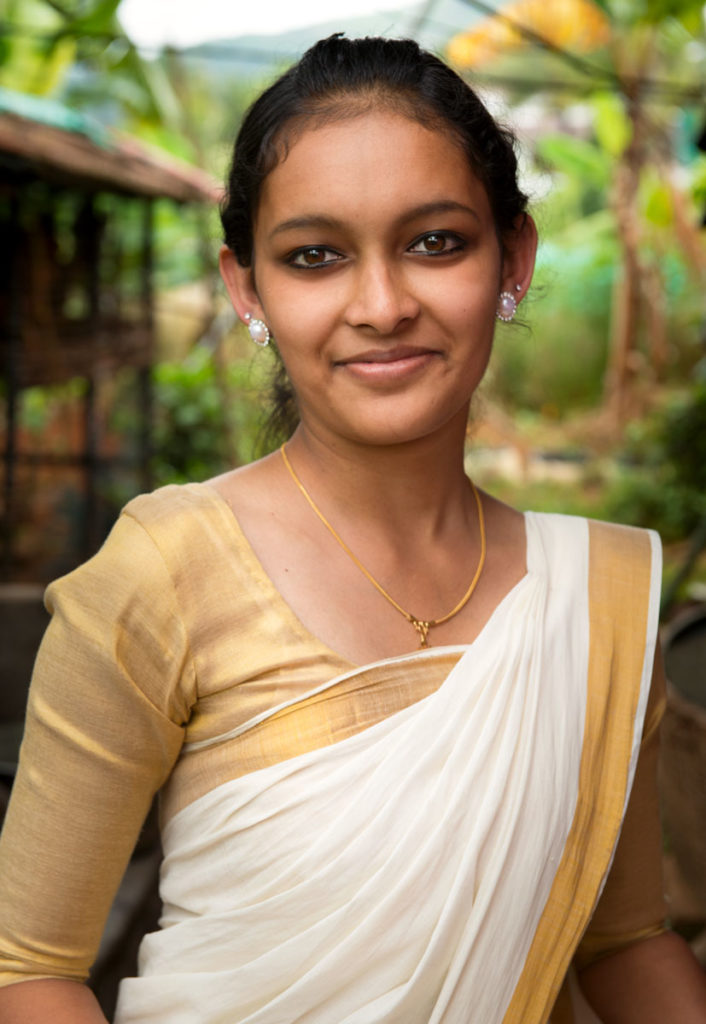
666,487
558,364
644,499
207,418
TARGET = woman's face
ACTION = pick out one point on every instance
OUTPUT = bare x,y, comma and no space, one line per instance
377,268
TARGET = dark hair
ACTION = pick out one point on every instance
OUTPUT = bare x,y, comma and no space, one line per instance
340,78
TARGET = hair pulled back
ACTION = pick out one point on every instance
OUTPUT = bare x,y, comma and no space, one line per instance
338,78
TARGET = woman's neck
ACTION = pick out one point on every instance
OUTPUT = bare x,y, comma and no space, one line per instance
420,486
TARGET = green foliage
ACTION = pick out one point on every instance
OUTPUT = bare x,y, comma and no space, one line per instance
178,256
574,499
656,11
34,60
666,488
575,157
558,366
208,417
655,200
629,13
39,405
658,40
640,499
78,52
698,184
683,437
611,124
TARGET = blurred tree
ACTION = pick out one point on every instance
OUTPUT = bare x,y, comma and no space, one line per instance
76,51
646,67
648,39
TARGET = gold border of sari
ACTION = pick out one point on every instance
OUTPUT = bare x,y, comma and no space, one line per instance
620,567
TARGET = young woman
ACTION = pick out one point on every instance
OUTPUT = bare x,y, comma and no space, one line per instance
404,733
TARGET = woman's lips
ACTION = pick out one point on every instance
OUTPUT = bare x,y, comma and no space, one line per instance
389,364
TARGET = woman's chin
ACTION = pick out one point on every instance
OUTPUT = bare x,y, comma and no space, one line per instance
384,427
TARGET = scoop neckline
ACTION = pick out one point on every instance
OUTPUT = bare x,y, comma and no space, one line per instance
257,570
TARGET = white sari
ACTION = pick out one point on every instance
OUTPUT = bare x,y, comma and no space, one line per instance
403,873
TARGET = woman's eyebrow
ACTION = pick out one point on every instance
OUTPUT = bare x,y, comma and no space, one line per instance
320,220
438,206
312,220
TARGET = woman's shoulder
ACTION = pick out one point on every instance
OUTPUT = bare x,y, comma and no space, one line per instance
156,536
172,504
248,490
572,548
191,518
595,530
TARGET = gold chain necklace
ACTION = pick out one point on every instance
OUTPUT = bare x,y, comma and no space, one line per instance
422,626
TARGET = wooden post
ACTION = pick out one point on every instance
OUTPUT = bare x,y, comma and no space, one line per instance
145,388
627,290
91,242
11,373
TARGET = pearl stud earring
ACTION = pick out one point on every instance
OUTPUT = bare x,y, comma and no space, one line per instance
507,307
258,329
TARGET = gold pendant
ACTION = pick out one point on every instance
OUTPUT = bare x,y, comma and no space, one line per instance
422,629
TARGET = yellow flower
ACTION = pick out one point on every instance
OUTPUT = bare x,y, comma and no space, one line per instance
577,25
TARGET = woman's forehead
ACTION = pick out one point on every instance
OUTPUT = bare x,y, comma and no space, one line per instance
373,160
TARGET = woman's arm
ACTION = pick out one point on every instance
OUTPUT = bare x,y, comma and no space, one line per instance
658,981
38,1002
102,734
626,978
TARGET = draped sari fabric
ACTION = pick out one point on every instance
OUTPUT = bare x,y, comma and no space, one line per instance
404,873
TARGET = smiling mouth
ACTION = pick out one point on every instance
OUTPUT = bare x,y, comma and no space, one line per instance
388,367
398,354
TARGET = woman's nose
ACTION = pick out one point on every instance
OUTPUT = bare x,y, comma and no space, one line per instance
381,298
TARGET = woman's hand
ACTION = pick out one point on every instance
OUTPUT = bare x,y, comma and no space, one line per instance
38,1002
658,981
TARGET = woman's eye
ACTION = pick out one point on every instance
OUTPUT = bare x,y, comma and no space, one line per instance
313,256
437,243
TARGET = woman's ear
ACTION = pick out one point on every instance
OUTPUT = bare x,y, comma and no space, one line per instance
240,284
519,252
